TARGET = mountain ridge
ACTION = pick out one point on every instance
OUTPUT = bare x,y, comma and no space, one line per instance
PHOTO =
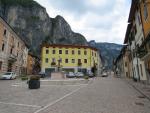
31,21
108,51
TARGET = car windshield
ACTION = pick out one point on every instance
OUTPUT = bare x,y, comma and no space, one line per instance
7,74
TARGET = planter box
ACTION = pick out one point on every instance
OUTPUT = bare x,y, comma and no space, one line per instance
34,84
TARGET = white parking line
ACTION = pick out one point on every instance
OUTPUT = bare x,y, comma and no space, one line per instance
24,105
19,85
58,100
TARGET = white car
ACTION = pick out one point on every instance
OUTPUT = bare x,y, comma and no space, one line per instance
70,75
79,74
8,76
104,74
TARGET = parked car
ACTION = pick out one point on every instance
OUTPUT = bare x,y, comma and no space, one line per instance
42,74
90,74
70,75
79,75
8,76
104,74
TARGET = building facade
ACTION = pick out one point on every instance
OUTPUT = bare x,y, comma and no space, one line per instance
13,50
144,49
137,41
33,64
69,58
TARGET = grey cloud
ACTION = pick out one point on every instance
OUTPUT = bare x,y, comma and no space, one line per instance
81,7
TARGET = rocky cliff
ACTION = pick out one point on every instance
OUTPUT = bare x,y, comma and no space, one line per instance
108,51
31,21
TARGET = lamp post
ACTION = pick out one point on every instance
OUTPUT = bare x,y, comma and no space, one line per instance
59,60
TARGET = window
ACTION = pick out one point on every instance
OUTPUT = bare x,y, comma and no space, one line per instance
85,60
0,65
141,69
145,11
60,60
85,52
3,47
79,60
135,30
53,60
125,64
139,19
11,50
54,52
73,60
46,60
66,51
47,51
60,51
5,32
66,60
18,44
73,52
79,52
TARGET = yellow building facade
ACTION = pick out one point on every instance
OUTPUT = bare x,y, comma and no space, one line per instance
68,58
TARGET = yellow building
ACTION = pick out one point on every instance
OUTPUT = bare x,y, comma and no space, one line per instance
69,58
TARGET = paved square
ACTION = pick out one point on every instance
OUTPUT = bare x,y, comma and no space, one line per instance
15,97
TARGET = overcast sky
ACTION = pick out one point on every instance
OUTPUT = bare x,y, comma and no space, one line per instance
99,20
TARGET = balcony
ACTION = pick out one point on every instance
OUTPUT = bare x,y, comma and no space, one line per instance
141,52
12,58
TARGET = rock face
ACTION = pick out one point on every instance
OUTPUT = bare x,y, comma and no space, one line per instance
32,23
108,51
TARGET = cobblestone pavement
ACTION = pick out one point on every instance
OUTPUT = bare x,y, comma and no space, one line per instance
144,89
104,95
15,97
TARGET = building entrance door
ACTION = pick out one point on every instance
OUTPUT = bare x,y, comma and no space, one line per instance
9,67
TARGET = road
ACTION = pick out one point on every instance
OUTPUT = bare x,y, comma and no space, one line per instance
104,95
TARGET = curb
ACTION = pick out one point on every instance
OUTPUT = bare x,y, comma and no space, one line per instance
137,89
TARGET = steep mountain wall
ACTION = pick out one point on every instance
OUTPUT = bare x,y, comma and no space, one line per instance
31,21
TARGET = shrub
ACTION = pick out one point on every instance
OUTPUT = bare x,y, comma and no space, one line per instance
24,78
34,77
86,77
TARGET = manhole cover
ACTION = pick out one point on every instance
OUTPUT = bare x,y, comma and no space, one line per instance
139,103
141,96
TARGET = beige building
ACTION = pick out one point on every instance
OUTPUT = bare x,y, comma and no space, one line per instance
13,50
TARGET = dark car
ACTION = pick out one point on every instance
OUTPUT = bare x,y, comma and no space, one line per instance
42,75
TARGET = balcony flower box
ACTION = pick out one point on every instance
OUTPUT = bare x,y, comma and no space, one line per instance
53,64
79,64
